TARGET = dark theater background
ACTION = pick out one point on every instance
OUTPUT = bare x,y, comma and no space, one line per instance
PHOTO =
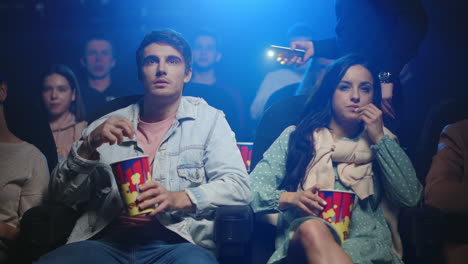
36,33
39,33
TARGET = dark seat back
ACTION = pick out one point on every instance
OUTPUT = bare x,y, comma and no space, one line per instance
278,117
447,112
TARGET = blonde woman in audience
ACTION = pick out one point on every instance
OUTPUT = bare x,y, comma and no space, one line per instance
62,98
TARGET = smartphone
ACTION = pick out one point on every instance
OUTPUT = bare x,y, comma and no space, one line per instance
280,53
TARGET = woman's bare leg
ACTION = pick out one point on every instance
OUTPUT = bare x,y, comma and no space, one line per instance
314,243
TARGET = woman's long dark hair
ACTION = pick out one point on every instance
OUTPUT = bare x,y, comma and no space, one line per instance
318,113
77,106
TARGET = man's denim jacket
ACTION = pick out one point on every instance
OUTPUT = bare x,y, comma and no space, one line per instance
198,154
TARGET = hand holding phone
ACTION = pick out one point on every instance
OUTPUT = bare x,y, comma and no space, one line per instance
308,46
284,54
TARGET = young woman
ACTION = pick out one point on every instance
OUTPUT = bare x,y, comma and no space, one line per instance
62,98
340,143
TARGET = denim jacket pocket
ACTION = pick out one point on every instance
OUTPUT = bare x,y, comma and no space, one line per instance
194,173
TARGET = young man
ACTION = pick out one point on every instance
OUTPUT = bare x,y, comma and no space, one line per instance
282,77
207,84
99,87
196,168
206,55
98,60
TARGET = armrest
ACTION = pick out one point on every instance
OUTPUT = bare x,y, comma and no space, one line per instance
423,230
233,231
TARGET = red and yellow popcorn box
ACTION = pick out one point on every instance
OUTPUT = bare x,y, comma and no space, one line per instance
246,152
339,210
129,175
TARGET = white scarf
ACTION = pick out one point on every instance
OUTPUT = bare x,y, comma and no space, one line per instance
354,160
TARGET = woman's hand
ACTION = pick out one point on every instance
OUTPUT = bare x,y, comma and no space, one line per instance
112,131
307,201
372,118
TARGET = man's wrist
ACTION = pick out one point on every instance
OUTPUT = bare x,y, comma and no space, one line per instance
183,202
85,150
386,77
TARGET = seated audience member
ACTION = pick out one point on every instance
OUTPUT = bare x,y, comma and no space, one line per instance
340,143
284,107
195,163
61,97
206,55
447,187
283,77
99,86
447,111
27,119
24,177
312,75
388,33
207,84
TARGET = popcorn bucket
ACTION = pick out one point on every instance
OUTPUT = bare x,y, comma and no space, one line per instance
246,152
339,210
129,175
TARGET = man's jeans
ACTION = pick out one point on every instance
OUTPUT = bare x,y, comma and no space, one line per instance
104,252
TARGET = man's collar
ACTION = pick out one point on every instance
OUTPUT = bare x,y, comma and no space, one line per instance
187,108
